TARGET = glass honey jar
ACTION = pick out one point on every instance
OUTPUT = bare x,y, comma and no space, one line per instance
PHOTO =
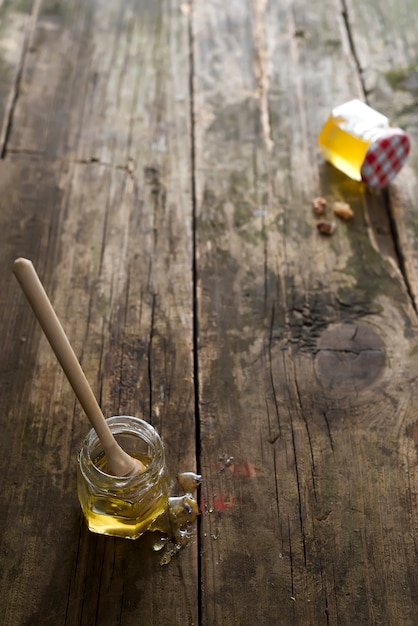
361,142
123,506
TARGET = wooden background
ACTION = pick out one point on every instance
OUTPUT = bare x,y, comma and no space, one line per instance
158,162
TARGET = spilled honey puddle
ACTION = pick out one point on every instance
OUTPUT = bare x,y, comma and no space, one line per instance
176,522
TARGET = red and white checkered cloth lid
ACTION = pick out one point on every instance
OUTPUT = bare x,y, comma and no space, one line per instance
385,157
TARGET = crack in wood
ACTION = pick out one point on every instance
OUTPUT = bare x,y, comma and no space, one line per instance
11,105
273,387
324,413
299,487
400,256
190,12
14,95
308,434
353,50
150,355
359,352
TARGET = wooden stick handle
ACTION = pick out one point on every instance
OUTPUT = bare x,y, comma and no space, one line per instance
42,307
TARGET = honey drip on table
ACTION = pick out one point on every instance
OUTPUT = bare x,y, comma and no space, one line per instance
178,519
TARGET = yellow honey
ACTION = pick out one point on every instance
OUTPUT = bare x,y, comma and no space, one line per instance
123,506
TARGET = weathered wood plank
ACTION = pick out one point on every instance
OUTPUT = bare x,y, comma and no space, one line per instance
95,188
389,66
306,344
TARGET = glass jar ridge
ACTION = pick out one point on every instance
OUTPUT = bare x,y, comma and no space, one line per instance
123,506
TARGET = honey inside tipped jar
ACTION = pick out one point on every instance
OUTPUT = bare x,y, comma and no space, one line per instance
344,150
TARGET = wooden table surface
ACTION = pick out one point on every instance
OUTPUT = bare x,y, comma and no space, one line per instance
158,163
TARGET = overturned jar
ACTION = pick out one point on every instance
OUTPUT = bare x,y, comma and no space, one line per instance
363,144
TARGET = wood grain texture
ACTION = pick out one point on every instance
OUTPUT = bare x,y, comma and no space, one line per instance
96,191
159,160
307,344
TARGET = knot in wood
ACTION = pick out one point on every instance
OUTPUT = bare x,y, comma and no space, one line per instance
350,357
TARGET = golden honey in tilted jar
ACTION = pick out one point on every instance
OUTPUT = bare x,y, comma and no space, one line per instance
361,142
123,506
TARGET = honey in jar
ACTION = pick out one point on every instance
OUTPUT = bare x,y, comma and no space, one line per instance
361,142
123,506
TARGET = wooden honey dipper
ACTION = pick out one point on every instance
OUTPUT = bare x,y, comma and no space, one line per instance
118,462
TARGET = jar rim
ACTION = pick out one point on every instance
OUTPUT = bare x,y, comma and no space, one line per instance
118,426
